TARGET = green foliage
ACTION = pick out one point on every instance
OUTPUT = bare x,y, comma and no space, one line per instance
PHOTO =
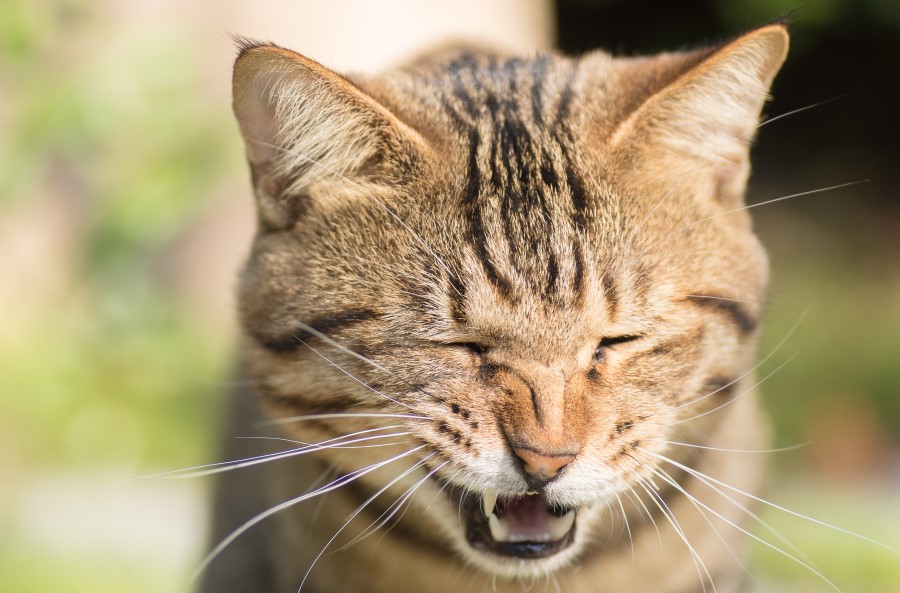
106,374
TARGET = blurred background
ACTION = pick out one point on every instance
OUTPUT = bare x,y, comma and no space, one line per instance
125,211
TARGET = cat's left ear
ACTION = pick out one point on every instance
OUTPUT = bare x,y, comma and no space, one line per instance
702,123
312,136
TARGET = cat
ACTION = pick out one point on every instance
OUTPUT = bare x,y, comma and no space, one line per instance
497,305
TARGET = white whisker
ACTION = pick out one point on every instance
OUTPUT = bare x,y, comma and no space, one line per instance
715,298
331,470
555,582
759,539
660,502
772,352
795,111
738,396
363,383
310,329
336,446
758,519
358,510
627,527
699,474
337,416
724,450
668,478
415,235
248,461
334,485
749,207
286,454
392,510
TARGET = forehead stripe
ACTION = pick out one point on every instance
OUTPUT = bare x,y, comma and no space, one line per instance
733,310
326,324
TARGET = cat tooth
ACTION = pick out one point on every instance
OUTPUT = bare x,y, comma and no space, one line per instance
560,526
489,501
499,528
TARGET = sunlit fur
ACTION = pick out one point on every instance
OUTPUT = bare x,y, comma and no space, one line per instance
451,241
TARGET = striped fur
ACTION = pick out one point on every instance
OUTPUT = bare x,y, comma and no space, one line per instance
505,251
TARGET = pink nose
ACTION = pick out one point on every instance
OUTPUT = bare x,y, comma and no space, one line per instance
543,466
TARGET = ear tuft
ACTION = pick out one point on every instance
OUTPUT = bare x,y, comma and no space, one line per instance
243,44
309,133
706,118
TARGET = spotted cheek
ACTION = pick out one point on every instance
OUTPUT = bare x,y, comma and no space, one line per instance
632,446
453,424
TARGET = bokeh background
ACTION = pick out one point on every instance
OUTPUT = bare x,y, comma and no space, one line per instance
125,211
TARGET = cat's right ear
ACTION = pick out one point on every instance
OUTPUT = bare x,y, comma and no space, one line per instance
312,137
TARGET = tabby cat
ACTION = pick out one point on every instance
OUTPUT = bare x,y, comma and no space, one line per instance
495,308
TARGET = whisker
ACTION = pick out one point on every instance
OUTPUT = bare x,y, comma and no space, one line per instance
446,483
706,161
612,527
739,396
291,453
330,473
701,475
291,419
358,510
695,503
627,527
668,478
554,581
750,206
392,510
427,508
334,485
717,298
324,446
667,513
310,329
363,383
759,520
708,448
637,497
795,111
337,446
247,461
759,539
415,235
772,352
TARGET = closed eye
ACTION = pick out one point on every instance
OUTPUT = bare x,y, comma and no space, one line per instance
610,342
473,347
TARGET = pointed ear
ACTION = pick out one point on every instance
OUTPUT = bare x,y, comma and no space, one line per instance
704,120
311,134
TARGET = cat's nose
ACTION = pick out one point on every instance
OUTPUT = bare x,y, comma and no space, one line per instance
542,467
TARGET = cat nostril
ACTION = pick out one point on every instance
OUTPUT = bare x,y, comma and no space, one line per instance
541,465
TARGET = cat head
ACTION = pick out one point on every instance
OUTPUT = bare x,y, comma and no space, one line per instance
535,267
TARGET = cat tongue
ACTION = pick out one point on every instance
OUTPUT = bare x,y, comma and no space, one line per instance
527,518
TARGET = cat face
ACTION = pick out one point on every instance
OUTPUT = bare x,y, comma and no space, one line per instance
534,270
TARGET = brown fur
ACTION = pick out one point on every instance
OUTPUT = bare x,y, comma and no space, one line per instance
471,228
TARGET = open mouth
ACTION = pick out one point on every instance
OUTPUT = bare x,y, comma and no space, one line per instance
525,526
